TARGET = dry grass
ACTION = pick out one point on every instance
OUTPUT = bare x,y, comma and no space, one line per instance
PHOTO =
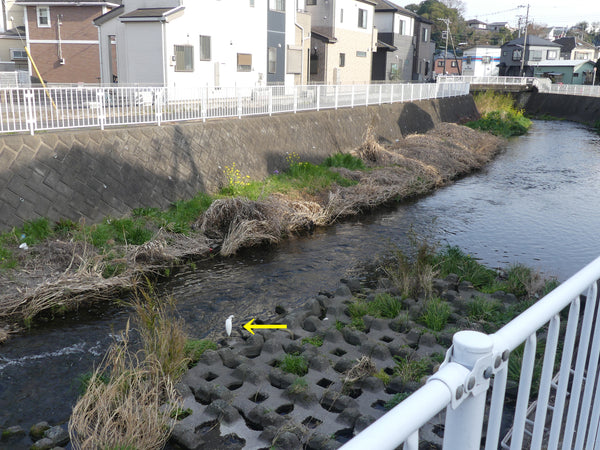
371,150
125,411
364,367
130,396
3,334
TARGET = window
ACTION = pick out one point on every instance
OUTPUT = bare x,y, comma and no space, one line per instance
516,54
425,34
535,55
441,63
204,48
453,64
244,62
575,75
468,59
486,59
582,55
17,53
551,54
362,18
342,59
341,16
277,5
361,54
311,2
43,16
184,58
401,26
251,3
272,64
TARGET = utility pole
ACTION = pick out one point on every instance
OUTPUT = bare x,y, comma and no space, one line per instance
524,54
447,22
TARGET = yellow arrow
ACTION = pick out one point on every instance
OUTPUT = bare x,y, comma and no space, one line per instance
249,326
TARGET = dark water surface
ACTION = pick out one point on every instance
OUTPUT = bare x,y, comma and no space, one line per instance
536,204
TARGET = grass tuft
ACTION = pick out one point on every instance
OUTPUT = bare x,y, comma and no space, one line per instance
295,364
194,348
436,314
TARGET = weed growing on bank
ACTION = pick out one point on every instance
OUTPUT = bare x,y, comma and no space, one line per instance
499,115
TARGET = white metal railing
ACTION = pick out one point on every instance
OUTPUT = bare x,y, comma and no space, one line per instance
60,107
523,81
565,411
544,85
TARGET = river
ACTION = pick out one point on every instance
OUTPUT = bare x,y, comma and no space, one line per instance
534,204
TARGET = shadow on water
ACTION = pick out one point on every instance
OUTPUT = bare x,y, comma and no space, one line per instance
534,204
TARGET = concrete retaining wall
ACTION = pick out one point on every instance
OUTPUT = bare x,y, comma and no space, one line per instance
93,174
570,107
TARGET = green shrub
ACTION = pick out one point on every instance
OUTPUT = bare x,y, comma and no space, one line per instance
409,369
396,399
344,160
194,348
453,260
295,364
317,341
436,314
120,231
502,123
35,230
482,309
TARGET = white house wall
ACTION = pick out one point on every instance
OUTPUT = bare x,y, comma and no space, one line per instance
477,67
143,47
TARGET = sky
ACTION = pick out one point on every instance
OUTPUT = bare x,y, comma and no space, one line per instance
549,12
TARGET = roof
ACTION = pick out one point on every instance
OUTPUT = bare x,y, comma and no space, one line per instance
322,37
151,14
570,42
531,40
387,5
386,46
113,3
567,63
469,22
109,15
498,23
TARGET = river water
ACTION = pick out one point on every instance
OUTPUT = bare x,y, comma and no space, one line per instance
535,204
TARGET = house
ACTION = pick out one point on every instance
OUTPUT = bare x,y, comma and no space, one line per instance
62,39
12,39
447,63
575,48
567,71
552,33
481,61
424,49
393,60
519,58
205,43
498,26
477,24
343,40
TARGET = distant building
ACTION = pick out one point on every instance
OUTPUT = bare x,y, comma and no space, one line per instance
481,60
447,64
497,26
535,52
575,48
477,24
569,71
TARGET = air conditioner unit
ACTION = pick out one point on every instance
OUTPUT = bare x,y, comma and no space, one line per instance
17,54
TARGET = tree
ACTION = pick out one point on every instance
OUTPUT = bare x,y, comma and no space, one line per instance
435,10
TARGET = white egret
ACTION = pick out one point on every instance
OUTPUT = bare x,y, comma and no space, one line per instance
228,325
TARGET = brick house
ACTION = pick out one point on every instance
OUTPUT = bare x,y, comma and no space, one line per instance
63,40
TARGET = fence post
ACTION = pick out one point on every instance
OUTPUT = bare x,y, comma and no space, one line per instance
380,88
337,91
296,98
318,97
391,93
367,96
203,103
352,97
239,108
158,96
464,422
101,108
30,118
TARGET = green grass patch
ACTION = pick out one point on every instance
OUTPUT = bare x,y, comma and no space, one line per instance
383,305
34,231
499,115
383,376
180,413
194,348
435,315
396,399
295,364
120,231
344,160
481,309
409,369
83,381
299,386
317,341
452,259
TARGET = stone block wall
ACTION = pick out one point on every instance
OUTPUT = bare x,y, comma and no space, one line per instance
92,174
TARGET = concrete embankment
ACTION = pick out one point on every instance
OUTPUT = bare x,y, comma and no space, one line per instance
571,107
94,174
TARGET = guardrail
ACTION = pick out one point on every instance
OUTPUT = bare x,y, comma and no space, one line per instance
572,89
31,109
566,409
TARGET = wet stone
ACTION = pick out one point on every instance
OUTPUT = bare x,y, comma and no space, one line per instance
395,386
334,402
37,431
465,285
272,346
287,440
313,307
450,295
265,417
428,340
201,390
58,435
293,347
440,286
12,432
219,392
249,373
372,384
399,325
400,350
253,346
318,363
343,365
412,338
343,291
320,441
348,416
375,350
379,324
352,283
43,444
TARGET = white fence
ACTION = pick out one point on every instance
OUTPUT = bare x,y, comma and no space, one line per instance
564,412
544,85
31,109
